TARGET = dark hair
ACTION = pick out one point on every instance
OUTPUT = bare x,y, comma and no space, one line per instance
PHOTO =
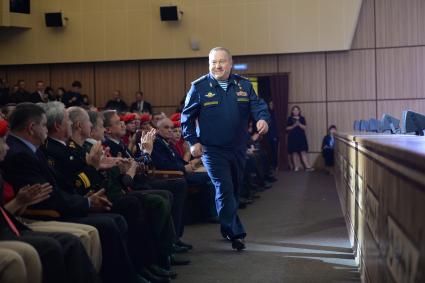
331,127
76,84
39,81
299,110
25,113
107,115
139,92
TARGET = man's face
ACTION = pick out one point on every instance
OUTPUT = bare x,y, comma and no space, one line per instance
165,129
39,131
156,118
220,65
98,130
117,127
332,131
21,85
85,126
117,95
66,127
40,86
139,97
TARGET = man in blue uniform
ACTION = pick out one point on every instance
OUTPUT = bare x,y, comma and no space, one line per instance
215,119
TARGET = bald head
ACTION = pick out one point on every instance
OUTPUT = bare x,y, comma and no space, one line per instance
165,128
81,125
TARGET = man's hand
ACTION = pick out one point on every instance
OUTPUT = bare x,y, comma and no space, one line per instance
30,195
99,202
196,150
262,127
107,163
146,141
188,168
94,157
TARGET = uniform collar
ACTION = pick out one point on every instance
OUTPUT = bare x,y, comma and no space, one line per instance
214,83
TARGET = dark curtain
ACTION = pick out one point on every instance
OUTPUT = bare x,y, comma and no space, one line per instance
276,88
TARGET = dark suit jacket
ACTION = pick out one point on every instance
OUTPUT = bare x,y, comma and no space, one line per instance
147,107
115,148
120,106
21,167
35,97
326,143
164,157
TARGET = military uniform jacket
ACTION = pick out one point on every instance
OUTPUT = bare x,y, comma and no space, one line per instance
222,116
69,161
22,166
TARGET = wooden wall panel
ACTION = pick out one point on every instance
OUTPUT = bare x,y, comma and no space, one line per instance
62,75
307,78
396,107
315,116
343,114
123,76
400,23
168,110
163,81
351,75
193,69
401,72
29,73
316,160
257,65
365,32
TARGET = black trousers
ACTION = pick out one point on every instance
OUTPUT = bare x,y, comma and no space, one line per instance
62,256
178,188
328,155
116,263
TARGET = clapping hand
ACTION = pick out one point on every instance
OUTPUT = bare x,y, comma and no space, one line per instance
99,201
33,194
146,141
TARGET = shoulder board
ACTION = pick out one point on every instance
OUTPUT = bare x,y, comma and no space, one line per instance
199,80
71,144
241,77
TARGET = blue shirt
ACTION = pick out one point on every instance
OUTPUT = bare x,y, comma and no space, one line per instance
27,143
217,117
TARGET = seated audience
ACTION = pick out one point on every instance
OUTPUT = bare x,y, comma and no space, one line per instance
62,255
140,105
73,97
25,164
164,157
116,103
328,145
21,94
40,94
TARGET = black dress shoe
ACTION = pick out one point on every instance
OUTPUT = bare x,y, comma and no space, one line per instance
242,205
158,271
271,179
141,279
183,244
238,244
147,274
179,249
178,260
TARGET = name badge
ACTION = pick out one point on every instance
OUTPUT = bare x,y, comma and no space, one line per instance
243,99
211,103
241,93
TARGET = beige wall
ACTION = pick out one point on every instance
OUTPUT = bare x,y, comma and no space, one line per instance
110,30
330,87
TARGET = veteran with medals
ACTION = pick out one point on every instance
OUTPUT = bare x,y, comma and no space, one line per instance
215,121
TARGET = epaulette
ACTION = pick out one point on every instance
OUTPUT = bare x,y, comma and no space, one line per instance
241,77
199,79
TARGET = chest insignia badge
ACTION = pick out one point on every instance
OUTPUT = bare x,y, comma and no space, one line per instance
210,94
241,94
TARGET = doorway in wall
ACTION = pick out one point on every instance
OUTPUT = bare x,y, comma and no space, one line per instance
275,88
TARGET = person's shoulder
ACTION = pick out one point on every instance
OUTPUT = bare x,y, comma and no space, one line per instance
200,80
241,78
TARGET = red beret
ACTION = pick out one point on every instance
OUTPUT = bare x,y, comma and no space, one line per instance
177,124
4,127
128,117
145,118
175,117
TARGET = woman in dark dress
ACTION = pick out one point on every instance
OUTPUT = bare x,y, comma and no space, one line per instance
297,140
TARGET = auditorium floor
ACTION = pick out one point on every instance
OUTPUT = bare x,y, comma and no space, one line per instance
296,233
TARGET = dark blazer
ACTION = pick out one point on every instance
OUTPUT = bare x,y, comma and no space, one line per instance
326,143
70,166
35,97
147,107
21,167
120,106
164,157
116,149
